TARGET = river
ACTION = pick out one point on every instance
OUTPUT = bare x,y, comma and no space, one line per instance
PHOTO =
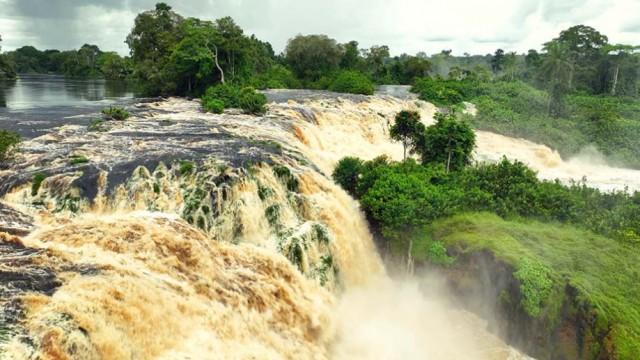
33,104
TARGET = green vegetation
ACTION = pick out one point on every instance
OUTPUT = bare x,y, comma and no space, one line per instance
96,125
186,167
401,197
252,102
78,159
407,129
36,182
232,96
346,173
547,257
9,141
215,106
284,174
449,142
352,82
88,61
116,113
611,124
7,69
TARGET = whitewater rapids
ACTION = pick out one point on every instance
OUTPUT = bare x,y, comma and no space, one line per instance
237,263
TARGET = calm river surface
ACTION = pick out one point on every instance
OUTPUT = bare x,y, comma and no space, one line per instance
35,103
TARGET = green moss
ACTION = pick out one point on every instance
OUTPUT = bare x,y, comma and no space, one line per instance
156,188
295,253
320,234
285,175
272,213
9,141
78,159
186,167
536,284
116,113
264,192
96,125
36,182
547,257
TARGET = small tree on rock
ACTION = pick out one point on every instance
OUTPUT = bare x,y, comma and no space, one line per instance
408,129
448,141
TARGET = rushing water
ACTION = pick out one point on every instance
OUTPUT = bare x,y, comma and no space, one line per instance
33,104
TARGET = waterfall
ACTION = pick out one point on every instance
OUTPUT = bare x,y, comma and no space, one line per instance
254,253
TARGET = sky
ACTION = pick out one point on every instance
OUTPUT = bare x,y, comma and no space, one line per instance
406,26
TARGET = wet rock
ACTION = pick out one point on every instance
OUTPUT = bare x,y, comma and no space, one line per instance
14,222
20,271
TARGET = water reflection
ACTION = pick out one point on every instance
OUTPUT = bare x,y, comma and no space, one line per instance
30,91
34,103
5,84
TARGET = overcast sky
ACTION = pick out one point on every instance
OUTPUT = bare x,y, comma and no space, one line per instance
473,26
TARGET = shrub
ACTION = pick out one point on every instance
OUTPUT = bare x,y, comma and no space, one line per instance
252,102
9,141
352,82
231,96
227,93
215,106
439,92
116,113
346,173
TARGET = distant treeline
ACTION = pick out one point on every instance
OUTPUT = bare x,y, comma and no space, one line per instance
174,55
88,61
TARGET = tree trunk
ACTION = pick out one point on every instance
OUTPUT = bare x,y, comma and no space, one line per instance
215,57
404,145
615,80
449,161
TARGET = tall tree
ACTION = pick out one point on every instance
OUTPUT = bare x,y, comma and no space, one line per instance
313,56
350,56
556,68
407,129
151,42
449,142
584,46
497,61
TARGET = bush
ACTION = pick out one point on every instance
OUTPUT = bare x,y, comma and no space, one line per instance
116,113
346,173
401,197
439,92
252,102
231,96
9,141
227,93
352,82
215,106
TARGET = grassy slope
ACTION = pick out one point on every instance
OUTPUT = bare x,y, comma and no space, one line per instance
605,272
